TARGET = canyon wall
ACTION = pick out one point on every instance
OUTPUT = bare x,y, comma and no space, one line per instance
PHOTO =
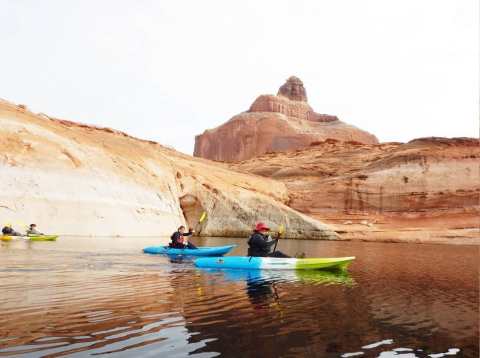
76,179
425,190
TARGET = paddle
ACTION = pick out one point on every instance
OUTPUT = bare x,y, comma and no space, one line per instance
201,220
281,230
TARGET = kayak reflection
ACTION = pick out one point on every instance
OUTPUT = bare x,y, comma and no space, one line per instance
341,277
262,293
180,259
262,285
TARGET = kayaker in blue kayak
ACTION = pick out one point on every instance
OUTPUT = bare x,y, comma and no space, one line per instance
260,244
178,239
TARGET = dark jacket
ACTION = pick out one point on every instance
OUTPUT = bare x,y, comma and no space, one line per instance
177,238
9,231
258,245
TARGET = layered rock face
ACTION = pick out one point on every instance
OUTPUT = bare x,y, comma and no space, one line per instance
291,101
77,179
426,190
273,124
293,89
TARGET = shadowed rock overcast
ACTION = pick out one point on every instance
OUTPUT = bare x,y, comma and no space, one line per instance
168,70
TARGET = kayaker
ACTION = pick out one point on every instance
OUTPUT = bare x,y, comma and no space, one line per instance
260,244
32,230
178,239
7,230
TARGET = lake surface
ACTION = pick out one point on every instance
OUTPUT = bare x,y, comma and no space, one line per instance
102,297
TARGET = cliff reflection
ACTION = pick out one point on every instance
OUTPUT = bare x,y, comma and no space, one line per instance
76,303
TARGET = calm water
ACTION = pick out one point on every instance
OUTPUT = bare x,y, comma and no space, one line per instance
85,296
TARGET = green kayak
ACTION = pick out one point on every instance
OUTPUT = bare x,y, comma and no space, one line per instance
43,237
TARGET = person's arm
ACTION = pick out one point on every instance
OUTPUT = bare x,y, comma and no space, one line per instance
271,243
189,233
259,241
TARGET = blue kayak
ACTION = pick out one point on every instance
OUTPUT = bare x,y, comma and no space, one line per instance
200,251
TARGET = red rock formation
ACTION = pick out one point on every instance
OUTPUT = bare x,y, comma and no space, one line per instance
425,190
272,124
298,110
293,89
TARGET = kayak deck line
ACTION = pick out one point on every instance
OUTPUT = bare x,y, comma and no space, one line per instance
216,251
274,263
30,237
42,237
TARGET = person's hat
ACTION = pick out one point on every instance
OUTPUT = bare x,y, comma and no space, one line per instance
261,227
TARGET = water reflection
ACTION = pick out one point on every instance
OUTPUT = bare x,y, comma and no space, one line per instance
261,286
325,277
69,299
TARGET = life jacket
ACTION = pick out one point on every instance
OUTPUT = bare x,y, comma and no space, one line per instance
254,250
176,243
7,230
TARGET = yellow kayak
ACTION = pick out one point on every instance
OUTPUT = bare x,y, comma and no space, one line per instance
6,238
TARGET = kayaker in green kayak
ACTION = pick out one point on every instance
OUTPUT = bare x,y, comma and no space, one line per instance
7,230
260,244
179,241
32,230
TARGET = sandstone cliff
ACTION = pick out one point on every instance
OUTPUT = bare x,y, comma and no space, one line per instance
273,124
426,190
72,178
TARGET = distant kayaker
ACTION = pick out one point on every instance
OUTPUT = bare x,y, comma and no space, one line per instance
7,230
32,230
260,244
179,241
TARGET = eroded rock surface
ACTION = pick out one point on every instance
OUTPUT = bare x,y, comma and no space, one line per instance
72,178
273,124
293,89
426,190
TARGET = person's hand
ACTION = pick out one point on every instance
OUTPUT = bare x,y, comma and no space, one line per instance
191,231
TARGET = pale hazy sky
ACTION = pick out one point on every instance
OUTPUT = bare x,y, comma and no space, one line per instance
168,69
